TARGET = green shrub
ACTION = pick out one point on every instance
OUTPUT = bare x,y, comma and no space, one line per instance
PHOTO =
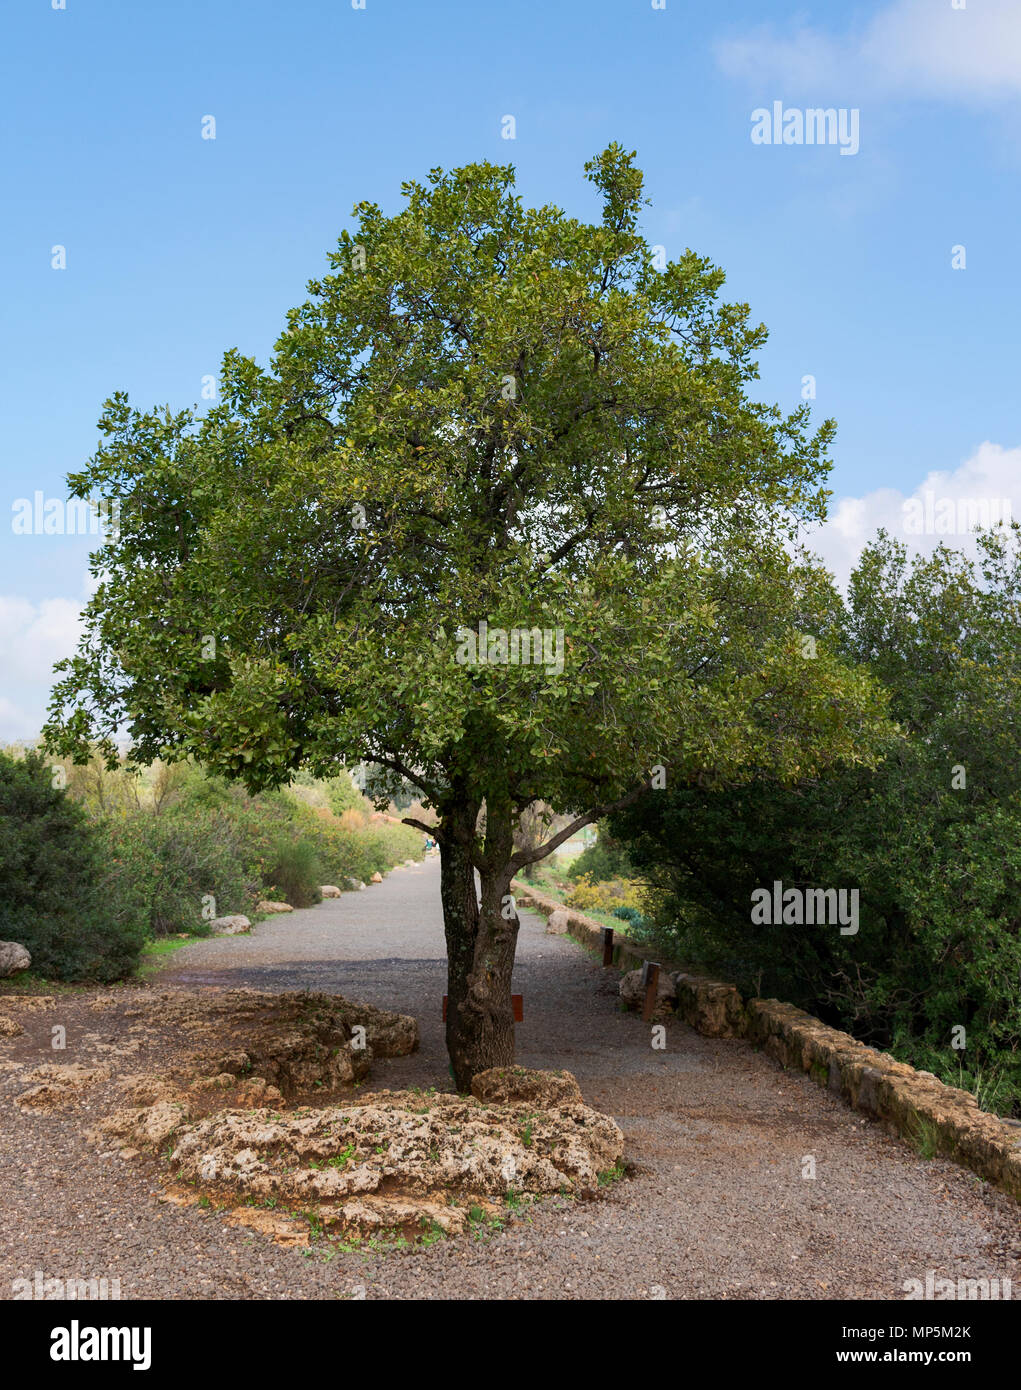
296,873
605,859
61,895
190,868
606,896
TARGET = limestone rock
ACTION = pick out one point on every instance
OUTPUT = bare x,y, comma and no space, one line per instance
387,1034
330,890
13,958
505,1085
230,926
632,991
270,907
357,885
376,878
558,922
396,1156
9,1028
31,1002
59,1084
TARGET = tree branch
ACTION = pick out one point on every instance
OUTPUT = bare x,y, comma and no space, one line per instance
523,857
431,830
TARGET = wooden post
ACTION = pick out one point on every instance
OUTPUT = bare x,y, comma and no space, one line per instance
607,946
650,978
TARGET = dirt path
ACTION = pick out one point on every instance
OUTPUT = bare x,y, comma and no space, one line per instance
717,1207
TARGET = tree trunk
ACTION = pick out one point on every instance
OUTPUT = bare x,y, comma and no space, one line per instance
481,940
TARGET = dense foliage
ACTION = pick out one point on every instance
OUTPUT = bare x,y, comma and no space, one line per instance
931,839
487,418
89,874
61,895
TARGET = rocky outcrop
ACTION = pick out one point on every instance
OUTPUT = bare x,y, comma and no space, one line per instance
230,926
507,1085
56,1085
13,959
397,1161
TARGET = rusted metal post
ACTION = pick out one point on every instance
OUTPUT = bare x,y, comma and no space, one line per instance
607,945
650,978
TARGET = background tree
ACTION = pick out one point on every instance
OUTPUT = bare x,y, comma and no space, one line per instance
483,413
931,839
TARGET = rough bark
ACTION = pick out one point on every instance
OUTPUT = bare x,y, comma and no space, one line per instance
481,930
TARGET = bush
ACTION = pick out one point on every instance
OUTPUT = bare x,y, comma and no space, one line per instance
605,859
296,874
930,840
604,897
630,915
60,894
188,869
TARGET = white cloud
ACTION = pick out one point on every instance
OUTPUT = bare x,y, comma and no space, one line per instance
912,47
33,636
974,53
943,508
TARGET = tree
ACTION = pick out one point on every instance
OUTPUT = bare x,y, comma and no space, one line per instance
500,519
930,839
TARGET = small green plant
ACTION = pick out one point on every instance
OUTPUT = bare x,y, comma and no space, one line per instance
611,1175
432,1231
923,1136
342,1158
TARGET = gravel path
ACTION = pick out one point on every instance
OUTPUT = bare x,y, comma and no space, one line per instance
716,1206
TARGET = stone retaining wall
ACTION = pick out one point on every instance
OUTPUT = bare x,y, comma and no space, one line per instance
915,1105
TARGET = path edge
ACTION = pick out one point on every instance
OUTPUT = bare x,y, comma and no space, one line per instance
914,1105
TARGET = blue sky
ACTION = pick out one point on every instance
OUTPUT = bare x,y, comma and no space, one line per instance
178,247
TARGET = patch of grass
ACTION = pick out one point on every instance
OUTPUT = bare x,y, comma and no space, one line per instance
27,982
432,1231
611,1175
923,1136
155,953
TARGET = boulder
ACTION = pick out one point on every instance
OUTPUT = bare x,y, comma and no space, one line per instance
376,878
230,926
632,991
330,890
558,922
13,958
507,1085
357,885
265,906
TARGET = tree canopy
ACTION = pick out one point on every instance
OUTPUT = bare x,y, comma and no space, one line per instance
485,419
